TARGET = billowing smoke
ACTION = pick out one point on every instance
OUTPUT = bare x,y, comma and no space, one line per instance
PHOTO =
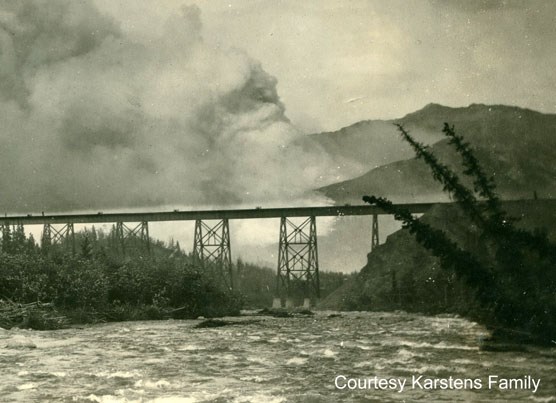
93,119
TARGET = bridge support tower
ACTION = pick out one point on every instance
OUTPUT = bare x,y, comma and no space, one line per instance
374,232
298,265
133,236
212,251
63,236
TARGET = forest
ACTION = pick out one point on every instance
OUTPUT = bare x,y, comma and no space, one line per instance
50,286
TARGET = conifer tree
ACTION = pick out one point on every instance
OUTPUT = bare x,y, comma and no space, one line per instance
86,248
516,281
18,239
6,239
31,245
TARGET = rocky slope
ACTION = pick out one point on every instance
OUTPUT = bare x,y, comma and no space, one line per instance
401,274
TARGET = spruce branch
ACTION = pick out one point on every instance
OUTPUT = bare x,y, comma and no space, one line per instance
448,178
482,184
517,284
450,254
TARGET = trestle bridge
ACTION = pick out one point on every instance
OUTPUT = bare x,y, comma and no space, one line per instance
297,246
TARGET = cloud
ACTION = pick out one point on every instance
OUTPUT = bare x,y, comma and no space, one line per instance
399,54
94,118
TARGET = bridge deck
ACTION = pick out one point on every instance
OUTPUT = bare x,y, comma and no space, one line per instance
232,214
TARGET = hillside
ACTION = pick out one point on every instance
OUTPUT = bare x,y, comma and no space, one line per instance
401,274
369,144
518,146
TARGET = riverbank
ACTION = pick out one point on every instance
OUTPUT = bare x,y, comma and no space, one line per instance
400,274
46,316
37,316
50,290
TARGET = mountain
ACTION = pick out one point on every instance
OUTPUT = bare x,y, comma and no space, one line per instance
370,144
516,146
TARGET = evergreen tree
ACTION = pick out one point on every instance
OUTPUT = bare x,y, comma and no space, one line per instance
31,245
86,248
515,277
6,239
18,238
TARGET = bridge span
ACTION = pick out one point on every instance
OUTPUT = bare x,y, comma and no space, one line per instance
228,214
297,246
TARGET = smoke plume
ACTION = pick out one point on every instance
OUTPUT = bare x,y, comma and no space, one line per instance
93,119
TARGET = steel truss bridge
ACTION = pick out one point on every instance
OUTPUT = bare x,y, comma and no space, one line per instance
297,246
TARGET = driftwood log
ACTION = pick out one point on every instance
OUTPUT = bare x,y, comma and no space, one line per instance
35,315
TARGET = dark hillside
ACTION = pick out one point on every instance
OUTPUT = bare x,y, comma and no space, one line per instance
401,274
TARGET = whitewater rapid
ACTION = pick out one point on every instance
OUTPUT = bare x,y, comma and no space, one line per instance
266,360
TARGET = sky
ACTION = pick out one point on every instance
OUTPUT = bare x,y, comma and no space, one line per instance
111,105
338,62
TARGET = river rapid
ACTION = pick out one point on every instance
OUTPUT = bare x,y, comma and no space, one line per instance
266,359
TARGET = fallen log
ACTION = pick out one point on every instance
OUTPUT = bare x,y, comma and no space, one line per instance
34,315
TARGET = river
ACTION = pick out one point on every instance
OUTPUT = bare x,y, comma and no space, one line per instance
301,359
